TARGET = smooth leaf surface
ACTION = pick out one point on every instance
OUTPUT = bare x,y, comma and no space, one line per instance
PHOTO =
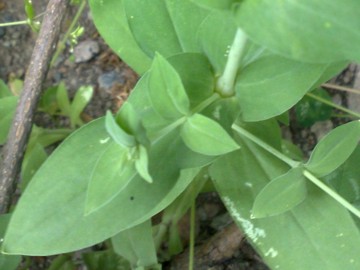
166,91
137,245
63,100
62,182
110,20
345,179
303,30
273,78
205,136
8,262
82,98
112,172
104,260
196,75
7,111
142,164
281,194
320,232
334,149
119,135
217,4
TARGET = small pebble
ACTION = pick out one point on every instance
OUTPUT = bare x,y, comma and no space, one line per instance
108,79
86,50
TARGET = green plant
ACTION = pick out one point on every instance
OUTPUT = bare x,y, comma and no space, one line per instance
216,77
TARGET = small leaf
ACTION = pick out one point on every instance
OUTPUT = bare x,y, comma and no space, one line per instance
111,174
205,136
136,245
309,111
142,164
7,111
281,194
63,99
129,120
334,149
29,9
166,91
117,133
81,99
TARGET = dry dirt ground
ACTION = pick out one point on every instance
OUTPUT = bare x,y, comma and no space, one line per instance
220,245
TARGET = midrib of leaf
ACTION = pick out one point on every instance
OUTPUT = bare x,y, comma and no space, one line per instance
168,13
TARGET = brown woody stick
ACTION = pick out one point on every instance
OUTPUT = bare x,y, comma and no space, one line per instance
14,149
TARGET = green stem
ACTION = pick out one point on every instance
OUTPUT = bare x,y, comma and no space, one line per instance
158,135
331,104
61,45
14,23
267,147
295,164
206,103
225,84
332,193
192,233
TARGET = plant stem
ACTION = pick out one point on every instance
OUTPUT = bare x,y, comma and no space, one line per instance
192,233
225,84
332,193
14,23
205,103
341,88
294,164
158,135
352,113
267,147
61,45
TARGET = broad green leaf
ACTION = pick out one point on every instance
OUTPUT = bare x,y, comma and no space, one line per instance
334,149
274,78
303,30
63,99
317,234
112,172
7,111
34,157
345,179
217,4
331,71
308,111
196,75
4,90
166,91
165,26
142,164
81,99
216,34
110,20
281,194
207,137
291,150
116,132
151,25
59,188
136,245
8,262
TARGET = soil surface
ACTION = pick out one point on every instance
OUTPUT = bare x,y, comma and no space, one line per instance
220,245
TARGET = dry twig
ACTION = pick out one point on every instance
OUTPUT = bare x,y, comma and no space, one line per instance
14,149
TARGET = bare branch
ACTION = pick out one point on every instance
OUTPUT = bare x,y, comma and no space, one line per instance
14,149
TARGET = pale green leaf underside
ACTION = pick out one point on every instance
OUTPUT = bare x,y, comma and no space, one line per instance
112,172
203,135
281,194
62,182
